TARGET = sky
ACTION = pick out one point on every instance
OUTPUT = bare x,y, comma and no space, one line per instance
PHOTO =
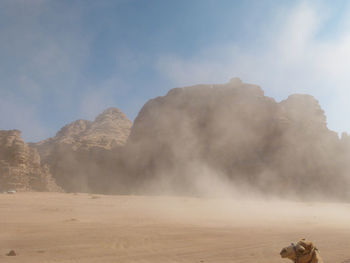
63,60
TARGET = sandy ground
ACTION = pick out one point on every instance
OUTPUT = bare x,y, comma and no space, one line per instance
51,227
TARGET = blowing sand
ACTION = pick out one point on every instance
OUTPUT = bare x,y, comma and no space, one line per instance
52,227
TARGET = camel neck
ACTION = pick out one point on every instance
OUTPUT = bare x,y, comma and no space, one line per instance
300,259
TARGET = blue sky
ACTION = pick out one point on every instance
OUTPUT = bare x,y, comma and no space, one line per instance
66,60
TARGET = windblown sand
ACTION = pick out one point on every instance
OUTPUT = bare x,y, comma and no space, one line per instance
52,227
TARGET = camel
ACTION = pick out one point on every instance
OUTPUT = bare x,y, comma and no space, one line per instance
302,252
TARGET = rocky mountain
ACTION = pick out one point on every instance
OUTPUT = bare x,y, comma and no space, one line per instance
203,139
83,153
20,167
109,130
235,134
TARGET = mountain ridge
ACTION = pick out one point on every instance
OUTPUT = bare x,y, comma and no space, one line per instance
179,142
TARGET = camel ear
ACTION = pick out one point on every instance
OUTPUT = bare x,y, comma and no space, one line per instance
306,244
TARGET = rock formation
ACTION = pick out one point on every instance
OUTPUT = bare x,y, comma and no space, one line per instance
83,156
193,140
240,136
109,130
20,167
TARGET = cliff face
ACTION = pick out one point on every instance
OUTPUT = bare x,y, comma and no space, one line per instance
20,167
83,155
194,140
240,136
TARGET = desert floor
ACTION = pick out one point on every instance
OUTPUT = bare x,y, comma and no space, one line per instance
53,227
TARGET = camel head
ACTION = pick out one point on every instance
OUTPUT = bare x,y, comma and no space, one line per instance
299,252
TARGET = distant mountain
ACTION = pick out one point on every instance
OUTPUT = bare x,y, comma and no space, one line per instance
77,155
20,167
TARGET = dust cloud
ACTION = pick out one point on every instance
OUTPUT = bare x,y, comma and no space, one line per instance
222,140
231,140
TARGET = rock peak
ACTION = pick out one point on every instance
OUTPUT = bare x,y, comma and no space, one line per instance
235,81
304,108
111,113
112,110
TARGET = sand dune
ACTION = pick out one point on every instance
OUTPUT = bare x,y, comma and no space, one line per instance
56,227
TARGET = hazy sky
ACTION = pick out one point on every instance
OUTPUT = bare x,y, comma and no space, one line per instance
66,60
